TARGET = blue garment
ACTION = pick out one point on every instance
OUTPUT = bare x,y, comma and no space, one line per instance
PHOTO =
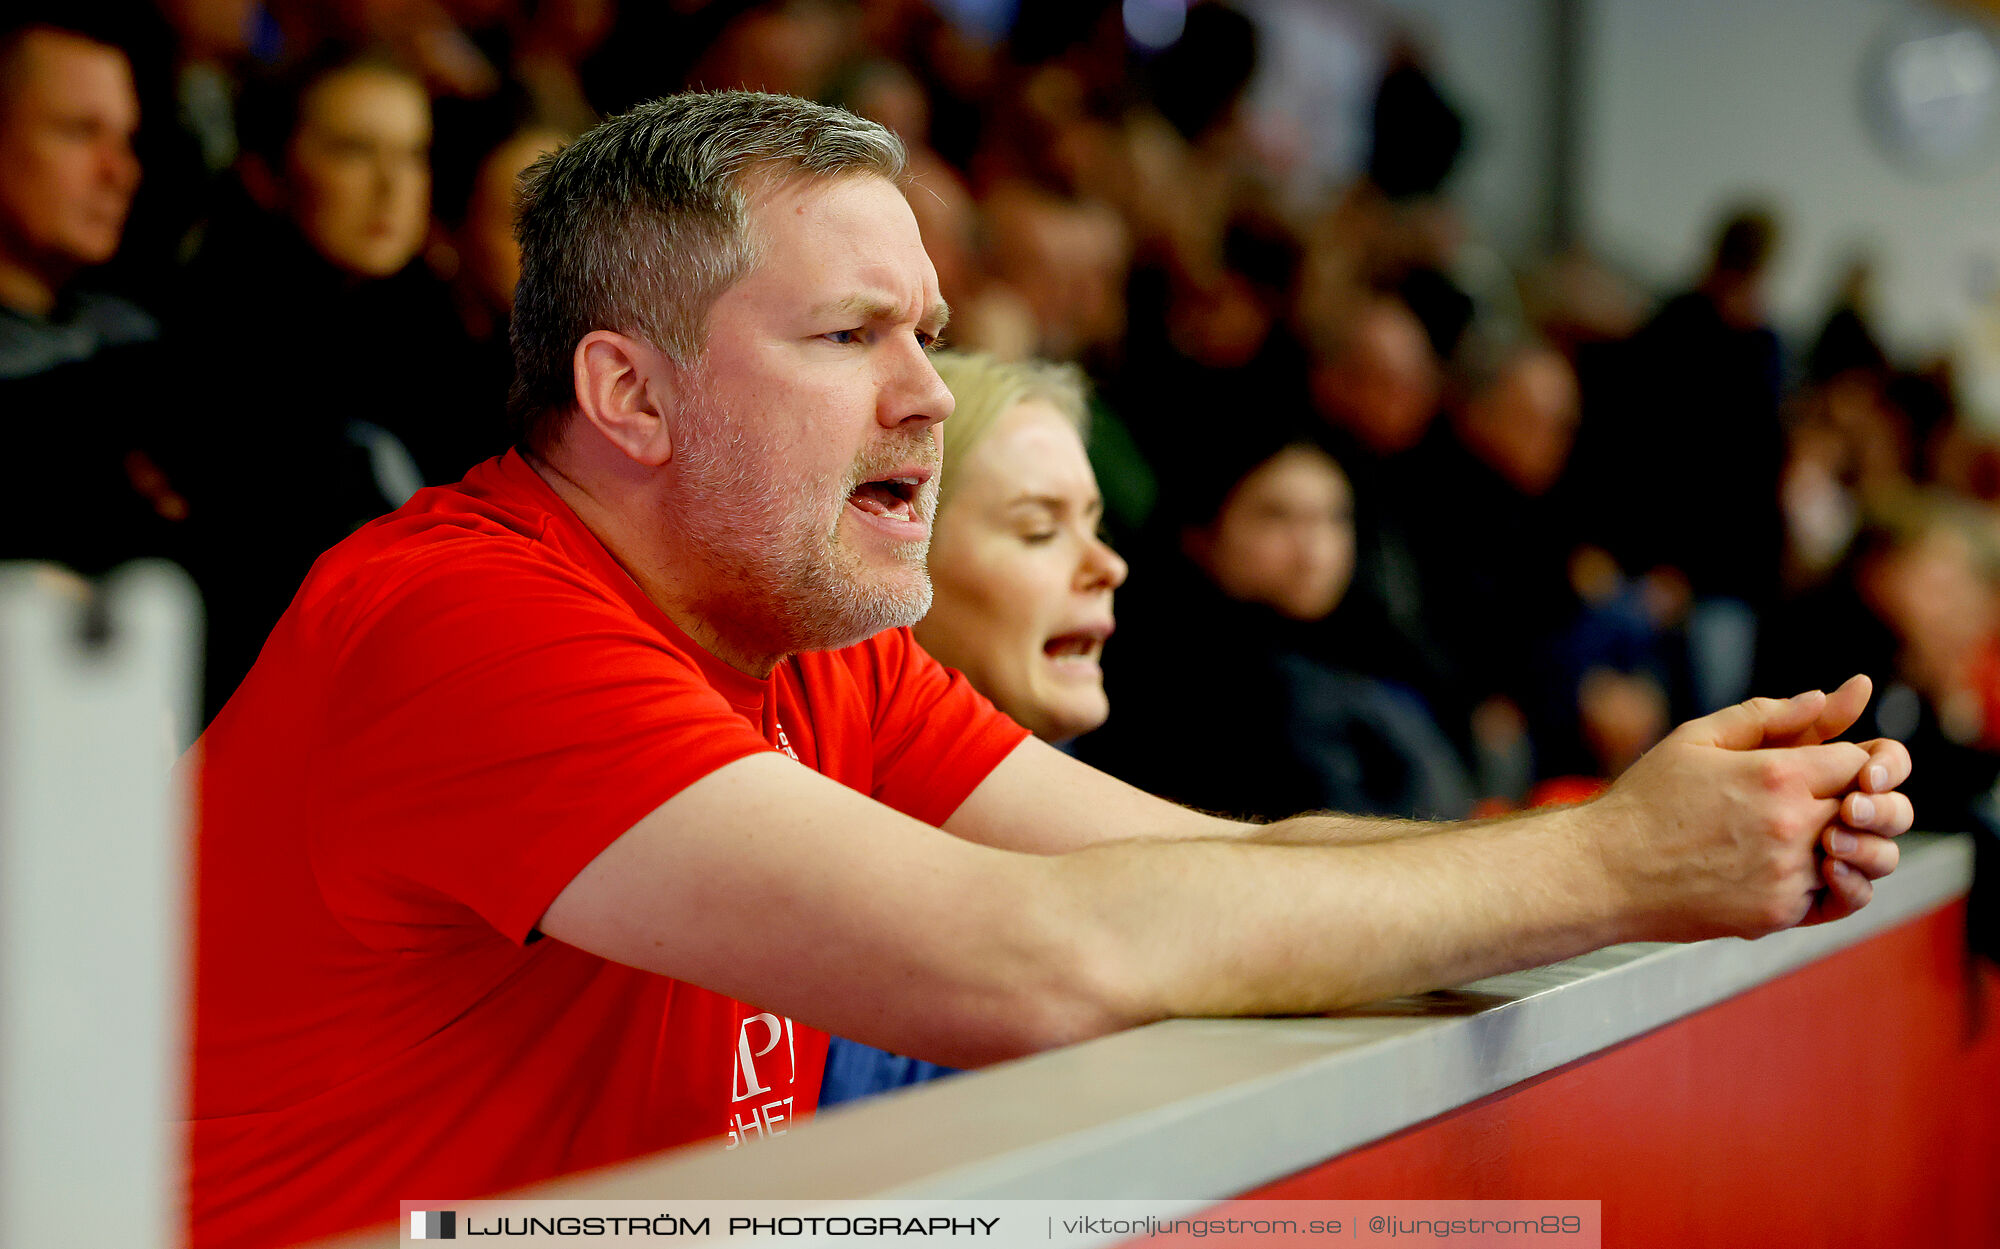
854,1070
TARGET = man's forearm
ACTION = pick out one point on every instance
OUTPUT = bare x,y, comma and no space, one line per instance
771,884
1330,828
1712,833
1295,925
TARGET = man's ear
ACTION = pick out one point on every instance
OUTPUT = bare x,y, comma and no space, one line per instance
626,388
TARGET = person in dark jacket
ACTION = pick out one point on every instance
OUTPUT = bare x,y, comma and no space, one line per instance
324,353
1220,701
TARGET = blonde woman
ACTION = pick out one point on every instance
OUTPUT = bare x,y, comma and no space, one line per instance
1023,580
1023,585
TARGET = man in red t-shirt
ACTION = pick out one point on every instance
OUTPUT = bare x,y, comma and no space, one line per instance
566,807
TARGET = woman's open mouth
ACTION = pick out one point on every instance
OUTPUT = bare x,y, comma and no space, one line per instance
1079,647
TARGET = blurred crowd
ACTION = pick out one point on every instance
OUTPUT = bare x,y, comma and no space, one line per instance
1408,532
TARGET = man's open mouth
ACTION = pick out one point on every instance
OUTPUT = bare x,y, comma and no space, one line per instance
892,497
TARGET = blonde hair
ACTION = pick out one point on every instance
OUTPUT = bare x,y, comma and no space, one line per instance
987,388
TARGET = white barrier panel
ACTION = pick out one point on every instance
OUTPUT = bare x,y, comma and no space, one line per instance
94,701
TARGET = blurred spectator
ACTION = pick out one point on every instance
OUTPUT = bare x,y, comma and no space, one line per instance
1069,259
1376,385
93,493
1682,453
984,313
1821,504
1578,303
1517,415
651,50
1023,586
191,61
1376,381
1859,435
342,152
336,165
1419,135
1930,580
450,47
1624,715
1418,139
477,254
1928,575
68,113
1217,697
557,38
791,47
1395,230
1491,551
1915,606
1852,449
1210,339
1199,80
326,357
1847,342
1572,662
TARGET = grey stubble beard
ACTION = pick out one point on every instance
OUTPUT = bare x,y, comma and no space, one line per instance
772,586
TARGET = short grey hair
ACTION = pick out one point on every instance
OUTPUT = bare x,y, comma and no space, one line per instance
640,224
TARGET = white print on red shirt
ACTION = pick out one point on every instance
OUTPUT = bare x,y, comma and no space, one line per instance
768,1117
765,1117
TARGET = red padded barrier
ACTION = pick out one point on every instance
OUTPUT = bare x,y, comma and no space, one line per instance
1855,1102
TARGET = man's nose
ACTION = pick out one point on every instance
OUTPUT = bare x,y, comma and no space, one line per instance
916,393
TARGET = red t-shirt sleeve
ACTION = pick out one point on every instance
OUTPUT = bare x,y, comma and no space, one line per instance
935,737
501,720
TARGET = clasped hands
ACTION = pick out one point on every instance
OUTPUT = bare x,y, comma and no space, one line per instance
1750,820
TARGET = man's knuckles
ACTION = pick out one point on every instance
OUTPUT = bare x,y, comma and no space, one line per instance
1777,824
1772,774
1806,770
1770,710
1784,821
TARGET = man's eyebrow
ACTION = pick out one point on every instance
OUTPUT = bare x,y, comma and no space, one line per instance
879,308
858,308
